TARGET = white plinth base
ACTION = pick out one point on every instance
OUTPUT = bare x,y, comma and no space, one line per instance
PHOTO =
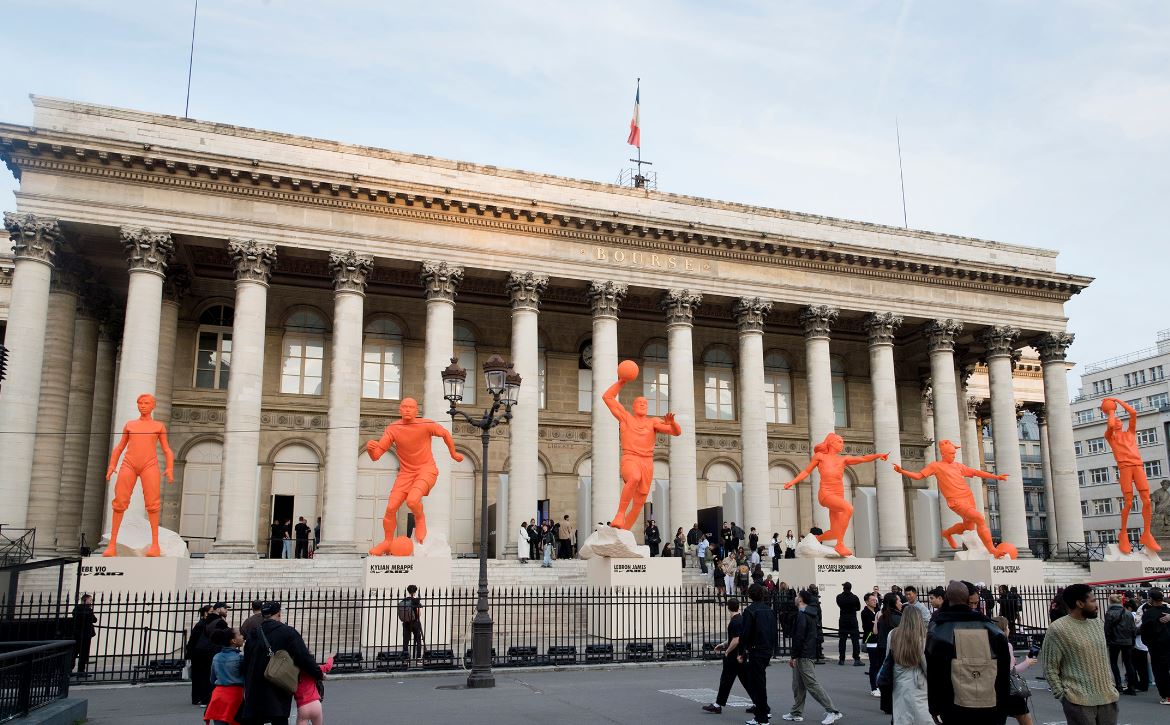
660,571
134,574
398,572
640,617
1106,571
993,572
391,575
829,575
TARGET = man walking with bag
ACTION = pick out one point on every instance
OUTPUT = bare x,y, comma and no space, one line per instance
269,678
804,654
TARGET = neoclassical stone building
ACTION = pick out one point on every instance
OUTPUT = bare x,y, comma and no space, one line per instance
280,294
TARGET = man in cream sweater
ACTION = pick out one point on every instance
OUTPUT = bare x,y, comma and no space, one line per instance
1076,662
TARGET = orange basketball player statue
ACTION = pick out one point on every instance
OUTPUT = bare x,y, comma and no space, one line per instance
139,438
952,485
1123,443
827,459
638,432
417,472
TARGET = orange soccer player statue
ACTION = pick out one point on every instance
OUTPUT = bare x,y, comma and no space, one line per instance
1123,443
638,432
417,472
827,459
952,485
139,440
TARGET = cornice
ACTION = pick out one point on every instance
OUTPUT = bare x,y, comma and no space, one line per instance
236,177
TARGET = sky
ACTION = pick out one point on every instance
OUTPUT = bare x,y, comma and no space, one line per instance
1036,123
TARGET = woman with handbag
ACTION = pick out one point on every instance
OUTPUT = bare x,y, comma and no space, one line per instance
273,662
902,678
1018,691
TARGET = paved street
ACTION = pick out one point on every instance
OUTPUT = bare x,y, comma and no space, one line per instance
629,694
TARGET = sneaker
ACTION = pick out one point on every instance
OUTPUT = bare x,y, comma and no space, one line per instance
1164,701
753,721
792,718
750,709
840,663
832,717
858,663
1129,691
713,708
876,693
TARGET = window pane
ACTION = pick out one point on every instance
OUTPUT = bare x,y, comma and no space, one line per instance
290,384
315,349
207,340
204,378
292,366
312,386
372,354
226,342
205,360
391,391
370,371
313,367
223,378
293,348
369,389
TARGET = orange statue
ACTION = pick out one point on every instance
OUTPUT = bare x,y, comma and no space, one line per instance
638,432
952,485
417,471
139,438
829,462
1123,443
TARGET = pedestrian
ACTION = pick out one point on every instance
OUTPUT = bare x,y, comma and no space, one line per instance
902,678
812,588
730,650
227,679
967,663
667,550
1155,629
869,612
1056,608
276,540
1141,654
1017,703
757,644
727,566
302,531
885,622
546,540
83,632
786,608
803,655
555,527
565,539
410,617
249,625
777,551
753,539
523,550
848,606
652,537
726,540
205,649
1075,657
743,577
719,578
757,574
317,535
200,679
264,702
533,539
680,546
309,693
912,600
790,546
1119,634
754,557
286,541
770,584
701,553
937,597
1009,607
736,535
693,537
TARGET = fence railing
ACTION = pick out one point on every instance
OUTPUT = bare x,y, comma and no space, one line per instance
33,674
1084,552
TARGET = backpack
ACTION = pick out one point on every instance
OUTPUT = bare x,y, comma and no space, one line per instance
406,611
974,668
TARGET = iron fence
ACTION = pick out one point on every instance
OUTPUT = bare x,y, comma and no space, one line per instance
33,674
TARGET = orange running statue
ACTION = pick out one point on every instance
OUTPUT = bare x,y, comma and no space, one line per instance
829,462
952,485
1123,443
139,438
638,432
417,472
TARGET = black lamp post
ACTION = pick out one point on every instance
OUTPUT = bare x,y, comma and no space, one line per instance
504,385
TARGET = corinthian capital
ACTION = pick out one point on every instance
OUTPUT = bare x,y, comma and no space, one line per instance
972,405
1053,346
818,320
33,237
750,313
177,282
1000,340
253,259
441,279
605,297
526,289
881,327
941,334
70,274
350,270
679,306
147,250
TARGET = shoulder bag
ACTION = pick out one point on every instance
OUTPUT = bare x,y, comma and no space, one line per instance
281,671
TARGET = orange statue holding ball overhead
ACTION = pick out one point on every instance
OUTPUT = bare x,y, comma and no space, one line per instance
139,440
952,485
1123,443
417,472
829,462
638,432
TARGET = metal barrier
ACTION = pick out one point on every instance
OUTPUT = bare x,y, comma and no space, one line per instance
1083,552
32,675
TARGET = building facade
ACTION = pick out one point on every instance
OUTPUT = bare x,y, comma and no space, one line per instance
279,295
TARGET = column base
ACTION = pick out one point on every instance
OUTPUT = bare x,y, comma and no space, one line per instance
1026,554
337,550
892,554
232,550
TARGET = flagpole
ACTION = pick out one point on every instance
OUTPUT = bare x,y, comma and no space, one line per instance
191,60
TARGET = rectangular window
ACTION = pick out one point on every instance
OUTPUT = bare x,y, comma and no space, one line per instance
1101,387
1080,478
1096,445
584,391
1161,400
1102,506
1157,373
466,356
718,394
1084,508
656,388
1136,404
1084,416
840,402
304,365
1147,436
1153,468
213,360
1078,448
381,370
778,398
1099,475
1108,536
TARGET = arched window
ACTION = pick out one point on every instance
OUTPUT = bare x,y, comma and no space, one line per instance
840,401
213,356
718,384
303,360
777,389
382,360
656,379
465,352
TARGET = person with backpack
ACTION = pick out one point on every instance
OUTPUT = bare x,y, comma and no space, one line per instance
1120,630
1075,654
802,658
757,644
265,701
1155,629
968,664
410,617
1141,653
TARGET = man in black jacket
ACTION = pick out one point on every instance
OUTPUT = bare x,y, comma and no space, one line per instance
954,621
848,605
727,540
83,632
803,657
1155,631
693,537
757,644
302,535
653,537
753,540
200,685
263,701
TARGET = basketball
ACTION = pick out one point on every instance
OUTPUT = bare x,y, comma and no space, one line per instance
627,370
1009,549
401,546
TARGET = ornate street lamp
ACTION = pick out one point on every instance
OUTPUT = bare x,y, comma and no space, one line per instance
504,386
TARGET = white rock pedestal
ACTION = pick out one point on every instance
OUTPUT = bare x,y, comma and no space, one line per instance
994,572
386,580
658,571
1135,565
829,575
127,584
632,611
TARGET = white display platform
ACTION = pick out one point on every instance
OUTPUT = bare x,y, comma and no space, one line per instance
390,576
658,571
641,616
1105,571
993,572
399,572
134,574
829,575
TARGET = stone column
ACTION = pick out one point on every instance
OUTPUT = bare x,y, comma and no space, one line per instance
757,505
1013,517
972,448
93,507
342,441
441,281
525,289
894,541
679,306
71,489
1066,503
239,496
35,241
605,298
1046,471
822,419
175,287
940,337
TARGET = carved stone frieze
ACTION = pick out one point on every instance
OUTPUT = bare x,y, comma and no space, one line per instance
147,250
525,289
253,260
680,305
1000,340
750,313
605,297
350,270
441,280
818,320
941,334
881,327
33,237
1053,346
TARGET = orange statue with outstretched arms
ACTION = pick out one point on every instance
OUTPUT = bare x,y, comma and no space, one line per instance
952,485
139,440
638,432
417,472
1131,470
829,462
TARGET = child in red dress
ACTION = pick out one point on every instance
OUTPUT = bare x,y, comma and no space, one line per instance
308,698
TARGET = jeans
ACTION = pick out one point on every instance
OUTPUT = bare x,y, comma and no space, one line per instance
1126,654
804,682
842,636
412,629
286,551
1141,668
1160,663
876,656
547,555
703,564
1089,714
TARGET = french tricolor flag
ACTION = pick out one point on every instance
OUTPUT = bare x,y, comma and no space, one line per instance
635,137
